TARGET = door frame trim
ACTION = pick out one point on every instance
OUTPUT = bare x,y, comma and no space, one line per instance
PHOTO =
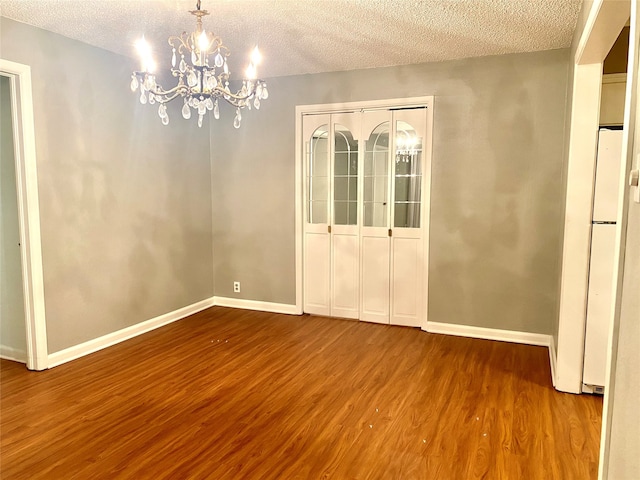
28,211
328,108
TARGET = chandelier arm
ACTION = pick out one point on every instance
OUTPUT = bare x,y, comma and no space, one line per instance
222,92
168,99
180,89
182,42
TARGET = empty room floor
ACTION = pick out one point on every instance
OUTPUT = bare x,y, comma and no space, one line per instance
234,394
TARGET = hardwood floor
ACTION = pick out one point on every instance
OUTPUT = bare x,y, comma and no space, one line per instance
232,394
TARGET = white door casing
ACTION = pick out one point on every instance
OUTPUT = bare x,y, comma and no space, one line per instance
28,211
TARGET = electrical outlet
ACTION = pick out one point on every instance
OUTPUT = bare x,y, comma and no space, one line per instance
236,287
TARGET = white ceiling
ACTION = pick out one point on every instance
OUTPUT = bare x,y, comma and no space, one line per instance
311,36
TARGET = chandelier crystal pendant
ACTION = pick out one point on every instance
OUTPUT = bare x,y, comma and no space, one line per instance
406,147
199,62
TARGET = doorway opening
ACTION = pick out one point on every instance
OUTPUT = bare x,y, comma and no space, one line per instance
27,254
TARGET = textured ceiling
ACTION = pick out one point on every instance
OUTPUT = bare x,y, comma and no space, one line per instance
311,36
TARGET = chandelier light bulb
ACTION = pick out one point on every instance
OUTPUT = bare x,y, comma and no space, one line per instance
203,42
250,72
143,47
256,56
144,50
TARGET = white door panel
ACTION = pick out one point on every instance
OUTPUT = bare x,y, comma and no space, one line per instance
345,278
600,296
316,274
406,286
607,187
415,116
350,120
374,306
370,120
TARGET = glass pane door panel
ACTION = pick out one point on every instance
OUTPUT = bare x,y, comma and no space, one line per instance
408,164
346,213
376,189
353,212
408,189
378,162
318,211
407,214
319,188
320,151
376,177
407,176
345,188
341,163
375,214
318,176
345,177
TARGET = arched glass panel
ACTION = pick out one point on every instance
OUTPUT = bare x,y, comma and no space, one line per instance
318,176
407,177
376,177
345,177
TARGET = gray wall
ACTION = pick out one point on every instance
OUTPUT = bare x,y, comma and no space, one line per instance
125,203
12,327
497,190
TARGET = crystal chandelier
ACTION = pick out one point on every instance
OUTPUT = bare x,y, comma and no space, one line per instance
203,76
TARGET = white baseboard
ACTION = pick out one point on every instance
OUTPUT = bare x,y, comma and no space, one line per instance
77,351
527,338
256,305
512,336
14,354
552,359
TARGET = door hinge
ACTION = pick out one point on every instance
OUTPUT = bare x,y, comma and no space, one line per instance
390,233
634,180
329,228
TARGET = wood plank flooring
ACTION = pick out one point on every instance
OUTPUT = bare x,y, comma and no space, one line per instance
232,394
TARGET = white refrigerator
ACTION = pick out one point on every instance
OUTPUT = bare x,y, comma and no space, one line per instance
603,234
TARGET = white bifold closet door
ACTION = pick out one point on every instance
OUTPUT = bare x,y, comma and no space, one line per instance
345,240
364,218
331,236
407,244
375,242
317,244
392,246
